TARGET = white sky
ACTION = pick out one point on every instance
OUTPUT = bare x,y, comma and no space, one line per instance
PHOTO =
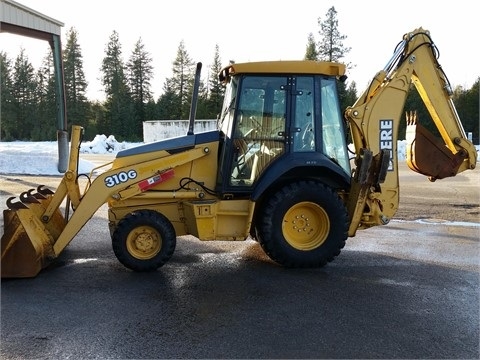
254,30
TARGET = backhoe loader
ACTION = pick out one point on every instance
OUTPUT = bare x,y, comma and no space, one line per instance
277,169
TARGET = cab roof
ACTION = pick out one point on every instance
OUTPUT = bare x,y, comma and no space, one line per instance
284,67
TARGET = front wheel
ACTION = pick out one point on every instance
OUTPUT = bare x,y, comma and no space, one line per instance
304,224
144,240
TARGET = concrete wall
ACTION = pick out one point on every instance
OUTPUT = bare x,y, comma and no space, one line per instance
155,130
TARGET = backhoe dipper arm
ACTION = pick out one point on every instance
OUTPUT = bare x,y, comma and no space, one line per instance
374,121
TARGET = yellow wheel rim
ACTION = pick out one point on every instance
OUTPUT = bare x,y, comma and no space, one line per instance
306,226
144,242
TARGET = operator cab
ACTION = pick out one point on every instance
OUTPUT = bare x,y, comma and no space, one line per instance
284,118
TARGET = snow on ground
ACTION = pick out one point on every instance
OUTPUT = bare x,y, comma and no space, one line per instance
41,158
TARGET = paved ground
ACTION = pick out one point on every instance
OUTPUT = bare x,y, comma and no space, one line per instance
406,290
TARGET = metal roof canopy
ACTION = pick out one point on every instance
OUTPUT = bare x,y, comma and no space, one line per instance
19,19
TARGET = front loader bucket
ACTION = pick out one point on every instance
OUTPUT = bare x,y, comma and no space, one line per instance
27,242
429,155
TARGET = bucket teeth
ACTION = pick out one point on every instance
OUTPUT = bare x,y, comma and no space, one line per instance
411,118
44,191
27,198
36,195
15,205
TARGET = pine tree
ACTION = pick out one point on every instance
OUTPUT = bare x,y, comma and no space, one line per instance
118,104
140,72
216,90
182,81
150,110
45,101
78,107
98,121
168,103
23,94
467,105
7,109
351,93
311,52
330,46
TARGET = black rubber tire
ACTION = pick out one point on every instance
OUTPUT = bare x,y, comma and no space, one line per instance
144,240
316,239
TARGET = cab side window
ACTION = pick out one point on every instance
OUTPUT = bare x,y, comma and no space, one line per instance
334,145
304,130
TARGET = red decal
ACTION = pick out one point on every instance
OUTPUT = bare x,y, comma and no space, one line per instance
154,180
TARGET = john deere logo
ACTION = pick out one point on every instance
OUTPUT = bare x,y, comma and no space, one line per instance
386,139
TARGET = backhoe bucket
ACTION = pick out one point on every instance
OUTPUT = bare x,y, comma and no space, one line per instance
429,155
27,242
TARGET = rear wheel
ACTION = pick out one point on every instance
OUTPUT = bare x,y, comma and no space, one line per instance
304,224
144,240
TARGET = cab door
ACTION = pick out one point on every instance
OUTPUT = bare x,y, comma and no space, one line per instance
259,129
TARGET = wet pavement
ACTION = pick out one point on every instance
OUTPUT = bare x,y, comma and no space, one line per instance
405,290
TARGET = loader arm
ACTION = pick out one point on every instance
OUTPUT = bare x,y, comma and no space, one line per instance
37,232
374,121
138,179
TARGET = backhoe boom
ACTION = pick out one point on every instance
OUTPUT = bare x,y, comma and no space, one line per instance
374,121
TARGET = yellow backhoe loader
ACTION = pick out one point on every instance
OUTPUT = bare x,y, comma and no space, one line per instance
277,169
